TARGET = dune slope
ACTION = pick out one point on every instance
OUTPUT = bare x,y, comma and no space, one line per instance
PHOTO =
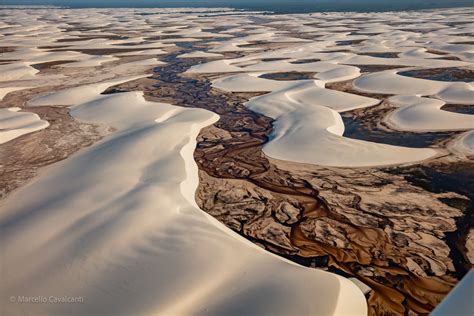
117,225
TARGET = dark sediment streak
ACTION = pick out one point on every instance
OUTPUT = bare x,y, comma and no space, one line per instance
283,211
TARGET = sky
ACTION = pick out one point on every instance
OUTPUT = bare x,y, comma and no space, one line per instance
273,5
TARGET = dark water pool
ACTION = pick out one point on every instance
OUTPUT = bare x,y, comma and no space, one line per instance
354,128
441,74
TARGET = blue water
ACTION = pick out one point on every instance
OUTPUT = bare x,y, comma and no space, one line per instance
279,6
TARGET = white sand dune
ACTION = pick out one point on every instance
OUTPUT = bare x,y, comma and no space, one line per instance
142,52
119,44
35,56
353,59
15,71
315,50
283,65
7,90
464,144
13,123
197,32
117,225
79,94
418,53
143,62
341,73
458,93
234,46
459,301
326,71
215,66
199,54
31,56
454,48
93,61
309,129
389,82
251,82
425,114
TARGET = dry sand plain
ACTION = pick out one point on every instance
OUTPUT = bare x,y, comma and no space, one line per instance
210,161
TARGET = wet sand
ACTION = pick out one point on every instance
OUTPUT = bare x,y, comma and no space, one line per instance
22,158
346,221
356,128
401,230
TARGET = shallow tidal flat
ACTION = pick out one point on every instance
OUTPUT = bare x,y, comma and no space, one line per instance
343,143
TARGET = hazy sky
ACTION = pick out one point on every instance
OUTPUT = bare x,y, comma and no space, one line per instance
276,5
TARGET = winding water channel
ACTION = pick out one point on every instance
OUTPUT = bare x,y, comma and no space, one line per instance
237,156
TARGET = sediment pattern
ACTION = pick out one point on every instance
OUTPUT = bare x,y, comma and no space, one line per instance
372,224
404,231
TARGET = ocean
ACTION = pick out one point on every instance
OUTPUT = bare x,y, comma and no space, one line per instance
277,6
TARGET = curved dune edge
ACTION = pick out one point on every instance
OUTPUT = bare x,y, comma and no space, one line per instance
459,300
425,114
389,82
117,225
302,129
308,127
305,125
7,90
13,124
29,30
464,144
